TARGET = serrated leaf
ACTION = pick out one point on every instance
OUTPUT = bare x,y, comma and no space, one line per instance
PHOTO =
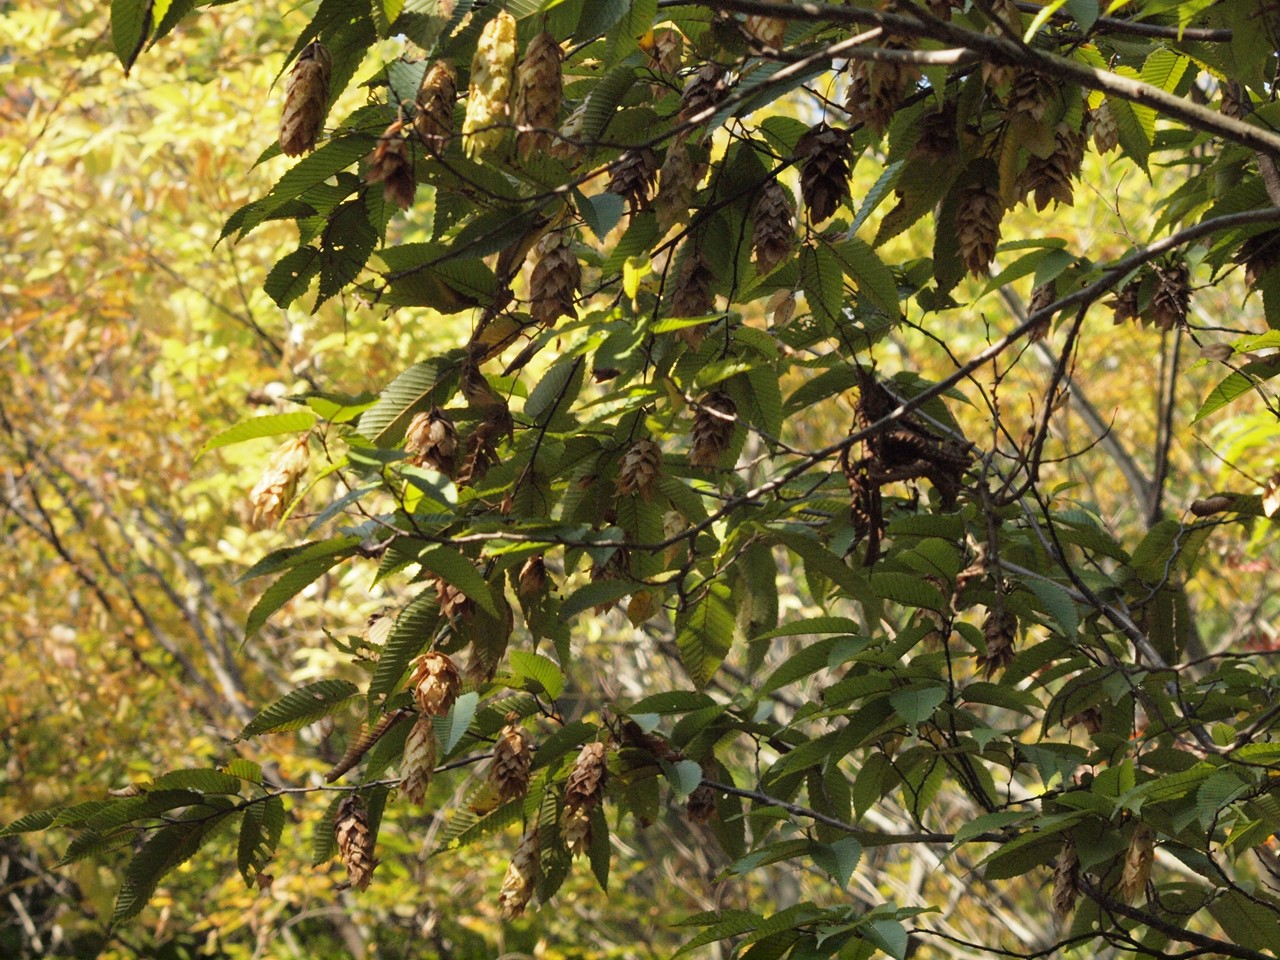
917,704
451,566
203,779
288,557
244,769
594,594
130,22
324,844
31,822
808,660
164,850
873,279
301,707
542,671
604,98
685,776
704,634
286,587
889,935
272,425
1057,603
1236,385
423,385
557,389
260,832
452,727
601,212
292,275
907,589
839,858
414,628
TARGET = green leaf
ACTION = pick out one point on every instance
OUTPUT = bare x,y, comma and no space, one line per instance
424,385
301,707
1246,922
839,858
541,671
414,628
1057,603
288,586
452,727
164,850
1236,385
289,557
889,935
272,425
915,705
594,594
260,832
292,275
39,820
807,660
204,779
685,777
873,279
601,212
244,769
130,24
704,633
608,93
1164,68
451,566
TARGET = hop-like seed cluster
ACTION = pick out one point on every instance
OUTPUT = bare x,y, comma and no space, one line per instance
632,177
582,792
705,90
701,805
435,682
1029,95
432,439
667,52
306,99
391,164
826,156
938,139
639,470
979,210
1137,863
1050,178
1172,296
1126,304
1234,100
1106,135
676,185
533,577
998,631
693,294
512,761
355,841
274,491
774,236
521,876
419,760
1066,879
1260,254
436,96
538,91
876,87
489,94
712,429
567,146
1007,23
556,276
770,31
1041,297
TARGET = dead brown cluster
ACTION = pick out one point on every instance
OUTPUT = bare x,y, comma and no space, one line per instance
694,292
582,793
769,31
538,91
273,493
1066,880
998,631
1259,254
432,440
904,449
556,277
939,138
1050,178
355,841
1172,296
712,431
826,156
677,182
1106,135
774,234
522,874
419,761
632,177
435,683
639,470
979,211
436,96
1137,863
1030,95
876,87
391,164
306,99
512,761
705,90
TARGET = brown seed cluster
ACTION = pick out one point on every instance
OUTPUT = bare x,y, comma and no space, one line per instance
273,493
391,164
1127,304
826,156
1172,296
1006,23
538,91
1260,254
1066,880
556,277
306,100
705,90
533,577
701,805
712,431
774,235
1029,95
432,440
677,182
435,683
1106,135
694,292
512,761
522,875
639,470
419,761
1050,178
632,177
876,87
998,630
489,93
938,139
582,793
355,841
1137,863
769,31
436,96
1041,297
979,211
